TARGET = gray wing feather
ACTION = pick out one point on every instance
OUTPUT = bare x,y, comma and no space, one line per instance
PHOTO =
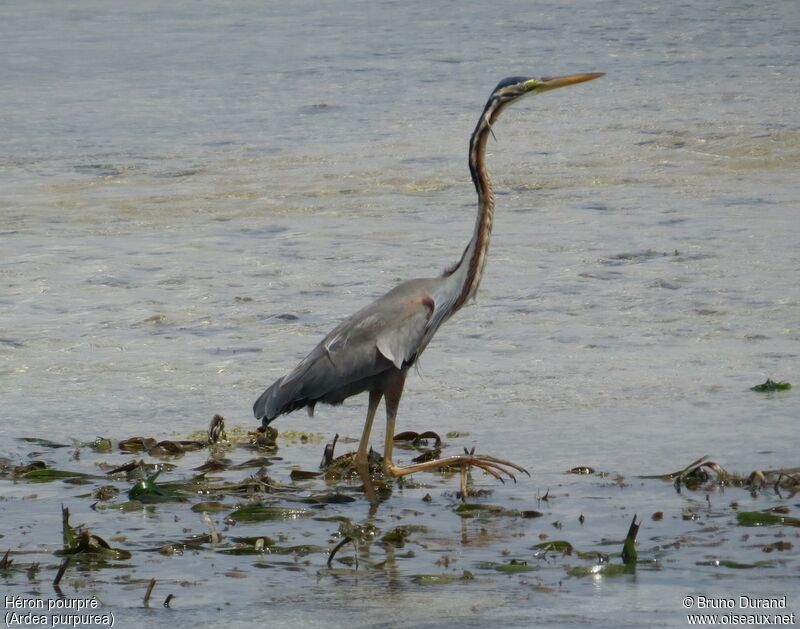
400,342
384,335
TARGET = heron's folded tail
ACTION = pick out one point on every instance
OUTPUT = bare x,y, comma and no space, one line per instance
277,400
265,407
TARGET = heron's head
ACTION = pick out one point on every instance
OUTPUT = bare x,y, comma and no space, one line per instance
514,87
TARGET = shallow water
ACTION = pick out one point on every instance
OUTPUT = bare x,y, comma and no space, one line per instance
193,195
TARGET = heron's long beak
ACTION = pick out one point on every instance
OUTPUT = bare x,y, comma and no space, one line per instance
553,82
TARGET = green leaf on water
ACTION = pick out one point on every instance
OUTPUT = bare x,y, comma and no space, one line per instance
558,546
330,498
243,550
46,475
629,554
471,510
101,444
765,518
300,550
441,579
771,385
253,540
93,547
396,537
332,518
148,491
79,541
303,474
45,443
67,533
261,513
211,506
508,568
466,507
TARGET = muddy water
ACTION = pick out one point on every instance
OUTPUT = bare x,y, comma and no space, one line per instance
192,196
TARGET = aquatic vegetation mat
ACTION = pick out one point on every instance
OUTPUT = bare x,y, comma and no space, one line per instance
229,514
770,386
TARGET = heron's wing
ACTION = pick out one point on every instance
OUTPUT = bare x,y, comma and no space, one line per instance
387,333
361,345
401,339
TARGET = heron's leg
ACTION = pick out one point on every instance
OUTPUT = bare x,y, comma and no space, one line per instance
491,465
393,393
362,455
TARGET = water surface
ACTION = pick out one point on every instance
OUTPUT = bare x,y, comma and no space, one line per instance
192,195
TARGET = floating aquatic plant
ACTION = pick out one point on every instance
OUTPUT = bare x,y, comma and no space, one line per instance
770,385
629,554
45,475
261,513
80,541
442,579
148,490
557,546
765,518
515,566
230,488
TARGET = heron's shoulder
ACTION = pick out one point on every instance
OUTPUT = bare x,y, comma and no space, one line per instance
417,287
388,307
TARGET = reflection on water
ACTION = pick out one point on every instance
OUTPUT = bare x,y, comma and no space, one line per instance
194,195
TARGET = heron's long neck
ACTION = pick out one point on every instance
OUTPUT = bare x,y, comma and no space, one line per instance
469,270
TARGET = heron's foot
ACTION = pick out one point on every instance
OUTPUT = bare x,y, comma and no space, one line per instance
498,468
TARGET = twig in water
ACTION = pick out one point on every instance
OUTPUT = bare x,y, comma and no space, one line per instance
150,586
61,570
338,546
